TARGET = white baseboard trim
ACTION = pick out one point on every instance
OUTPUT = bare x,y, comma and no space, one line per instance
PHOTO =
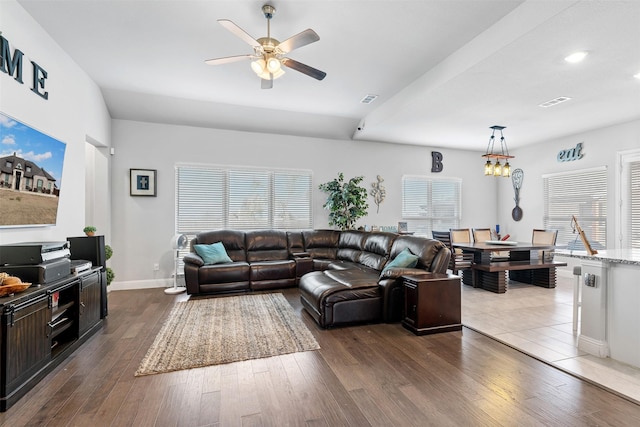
593,346
140,284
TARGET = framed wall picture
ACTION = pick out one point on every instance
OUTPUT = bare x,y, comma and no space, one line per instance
143,182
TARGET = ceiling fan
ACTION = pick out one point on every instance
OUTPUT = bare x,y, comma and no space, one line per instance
268,53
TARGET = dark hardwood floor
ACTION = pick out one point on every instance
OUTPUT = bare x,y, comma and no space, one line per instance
363,375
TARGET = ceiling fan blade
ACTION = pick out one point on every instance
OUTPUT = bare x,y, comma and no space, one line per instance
266,84
303,68
304,38
239,32
227,59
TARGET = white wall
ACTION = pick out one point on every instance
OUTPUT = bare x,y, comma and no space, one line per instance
599,148
74,111
143,226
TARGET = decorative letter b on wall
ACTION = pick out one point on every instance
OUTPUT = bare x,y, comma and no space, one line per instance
436,161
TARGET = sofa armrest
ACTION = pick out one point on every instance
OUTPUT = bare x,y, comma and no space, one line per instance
440,262
193,258
392,291
395,273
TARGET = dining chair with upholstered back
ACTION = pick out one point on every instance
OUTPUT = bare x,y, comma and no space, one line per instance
481,235
545,237
459,261
460,235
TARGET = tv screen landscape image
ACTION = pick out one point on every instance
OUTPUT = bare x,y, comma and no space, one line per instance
30,175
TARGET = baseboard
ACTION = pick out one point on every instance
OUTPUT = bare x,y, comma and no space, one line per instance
140,284
593,346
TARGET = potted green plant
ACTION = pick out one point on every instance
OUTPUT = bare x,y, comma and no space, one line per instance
89,230
108,253
346,201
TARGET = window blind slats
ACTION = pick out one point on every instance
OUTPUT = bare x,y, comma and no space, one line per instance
431,204
213,197
200,196
292,200
248,199
580,193
634,204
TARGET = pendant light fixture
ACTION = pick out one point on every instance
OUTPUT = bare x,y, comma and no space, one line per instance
502,153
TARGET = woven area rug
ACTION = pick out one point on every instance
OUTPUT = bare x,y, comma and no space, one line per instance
213,331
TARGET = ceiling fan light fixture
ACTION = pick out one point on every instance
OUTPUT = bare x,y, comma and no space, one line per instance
265,75
273,65
268,59
258,66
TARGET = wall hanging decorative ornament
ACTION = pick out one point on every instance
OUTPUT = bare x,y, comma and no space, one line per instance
378,192
143,182
517,177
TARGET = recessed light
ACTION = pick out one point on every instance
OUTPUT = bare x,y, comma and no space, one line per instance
637,76
576,56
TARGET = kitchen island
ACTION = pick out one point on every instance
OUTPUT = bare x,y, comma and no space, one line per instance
610,317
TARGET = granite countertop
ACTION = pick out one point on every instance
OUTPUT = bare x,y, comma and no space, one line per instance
618,256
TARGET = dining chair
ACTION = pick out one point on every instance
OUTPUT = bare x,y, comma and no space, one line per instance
459,261
481,235
546,237
460,235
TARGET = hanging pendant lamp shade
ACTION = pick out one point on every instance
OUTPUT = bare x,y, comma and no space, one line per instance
502,154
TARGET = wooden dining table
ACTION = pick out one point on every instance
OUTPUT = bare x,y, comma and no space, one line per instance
490,272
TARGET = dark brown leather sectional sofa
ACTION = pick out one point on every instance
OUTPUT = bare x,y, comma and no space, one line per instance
340,274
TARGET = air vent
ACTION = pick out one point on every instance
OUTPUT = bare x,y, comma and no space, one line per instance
368,99
558,100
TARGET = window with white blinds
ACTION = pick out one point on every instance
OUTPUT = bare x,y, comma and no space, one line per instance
431,204
633,197
215,197
581,193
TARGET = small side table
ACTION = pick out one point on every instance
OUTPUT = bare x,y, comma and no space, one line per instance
432,303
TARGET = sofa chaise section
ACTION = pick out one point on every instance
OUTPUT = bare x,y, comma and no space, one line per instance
355,287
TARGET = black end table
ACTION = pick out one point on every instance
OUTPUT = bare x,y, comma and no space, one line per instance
432,303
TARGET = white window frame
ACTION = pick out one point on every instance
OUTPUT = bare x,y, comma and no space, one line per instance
562,222
624,199
424,224
218,202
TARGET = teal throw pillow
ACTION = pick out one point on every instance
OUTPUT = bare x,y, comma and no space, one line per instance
212,254
404,259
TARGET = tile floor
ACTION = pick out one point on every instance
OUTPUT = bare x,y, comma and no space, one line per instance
538,322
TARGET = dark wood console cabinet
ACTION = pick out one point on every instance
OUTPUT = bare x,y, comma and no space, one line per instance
432,303
41,326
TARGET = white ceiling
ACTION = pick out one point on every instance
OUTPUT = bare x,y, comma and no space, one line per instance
444,70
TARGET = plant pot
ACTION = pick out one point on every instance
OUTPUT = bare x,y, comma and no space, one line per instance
90,233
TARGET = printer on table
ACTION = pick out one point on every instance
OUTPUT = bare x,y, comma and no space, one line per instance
36,262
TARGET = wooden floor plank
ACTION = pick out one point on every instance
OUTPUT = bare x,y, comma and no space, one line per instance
362,375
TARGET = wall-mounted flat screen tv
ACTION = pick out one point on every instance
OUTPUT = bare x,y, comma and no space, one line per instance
30,175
